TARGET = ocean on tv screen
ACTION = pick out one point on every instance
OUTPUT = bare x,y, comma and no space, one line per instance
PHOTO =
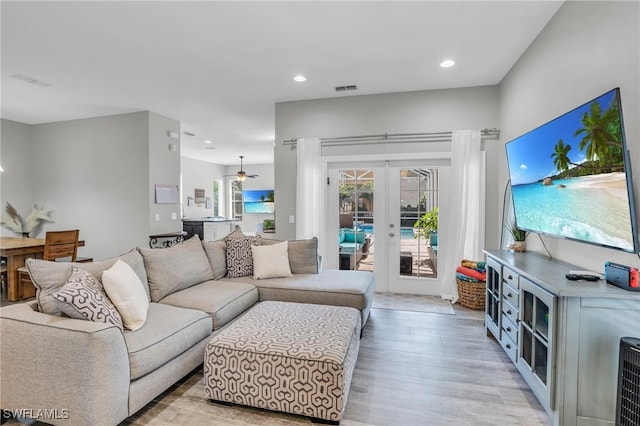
569,178
591,208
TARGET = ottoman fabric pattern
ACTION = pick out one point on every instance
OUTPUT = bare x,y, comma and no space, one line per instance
290,357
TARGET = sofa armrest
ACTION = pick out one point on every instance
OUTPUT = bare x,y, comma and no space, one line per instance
62,370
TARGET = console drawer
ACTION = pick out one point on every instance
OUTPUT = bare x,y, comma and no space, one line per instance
509,347
510,312
509,328
510,277
511,295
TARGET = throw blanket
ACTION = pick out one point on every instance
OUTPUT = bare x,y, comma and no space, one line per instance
472,271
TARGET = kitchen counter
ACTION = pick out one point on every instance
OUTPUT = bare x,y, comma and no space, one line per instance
208,228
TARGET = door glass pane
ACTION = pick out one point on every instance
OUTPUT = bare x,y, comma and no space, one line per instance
356,220
418,231
541,360
542,319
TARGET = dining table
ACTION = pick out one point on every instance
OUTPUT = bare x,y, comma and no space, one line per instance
17,250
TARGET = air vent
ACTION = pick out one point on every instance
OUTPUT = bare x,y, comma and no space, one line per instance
348,87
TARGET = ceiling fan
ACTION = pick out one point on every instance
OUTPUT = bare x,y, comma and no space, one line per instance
242,175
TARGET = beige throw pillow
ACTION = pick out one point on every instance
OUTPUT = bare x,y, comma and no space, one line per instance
124,288
271,261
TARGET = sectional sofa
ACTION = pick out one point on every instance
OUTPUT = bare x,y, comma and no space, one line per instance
61,369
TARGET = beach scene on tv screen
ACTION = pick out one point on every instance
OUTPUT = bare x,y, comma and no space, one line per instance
258,201
568,176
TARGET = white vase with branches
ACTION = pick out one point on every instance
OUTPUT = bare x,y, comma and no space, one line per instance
11,219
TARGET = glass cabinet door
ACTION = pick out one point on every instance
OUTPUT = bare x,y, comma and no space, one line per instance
535,353
492,302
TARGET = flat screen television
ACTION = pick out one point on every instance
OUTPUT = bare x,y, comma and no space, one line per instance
258,201
571,177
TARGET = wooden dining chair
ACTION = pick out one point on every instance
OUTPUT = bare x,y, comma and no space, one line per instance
58,246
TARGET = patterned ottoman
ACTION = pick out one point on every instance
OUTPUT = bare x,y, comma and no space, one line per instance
292,357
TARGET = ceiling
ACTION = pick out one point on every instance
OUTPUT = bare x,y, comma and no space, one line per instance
220,67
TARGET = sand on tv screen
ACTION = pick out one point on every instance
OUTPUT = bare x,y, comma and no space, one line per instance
569,177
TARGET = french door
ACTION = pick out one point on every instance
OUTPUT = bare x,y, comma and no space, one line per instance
373,212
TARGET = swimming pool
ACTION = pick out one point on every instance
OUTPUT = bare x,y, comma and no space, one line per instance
368,228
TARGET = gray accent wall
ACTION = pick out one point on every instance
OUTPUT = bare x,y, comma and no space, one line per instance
96,175
407,112
16,183
587,49
164,168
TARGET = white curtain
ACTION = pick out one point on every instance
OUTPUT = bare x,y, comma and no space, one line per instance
465,230
308,188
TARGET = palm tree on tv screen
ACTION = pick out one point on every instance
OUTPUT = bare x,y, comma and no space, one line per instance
601,132
561,156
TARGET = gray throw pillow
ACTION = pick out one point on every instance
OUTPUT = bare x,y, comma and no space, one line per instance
132,258
303,255
217,254
176,268
48,277
83,297
239,258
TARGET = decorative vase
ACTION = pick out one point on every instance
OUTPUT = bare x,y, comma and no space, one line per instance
518,246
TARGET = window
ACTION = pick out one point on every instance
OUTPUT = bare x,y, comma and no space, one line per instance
236,200
216,197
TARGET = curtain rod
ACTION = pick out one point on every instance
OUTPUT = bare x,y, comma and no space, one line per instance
398,137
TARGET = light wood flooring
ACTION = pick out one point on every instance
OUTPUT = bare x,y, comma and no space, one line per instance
413,369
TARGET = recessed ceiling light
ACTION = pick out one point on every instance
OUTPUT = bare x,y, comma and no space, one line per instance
208,142
300,78
447,63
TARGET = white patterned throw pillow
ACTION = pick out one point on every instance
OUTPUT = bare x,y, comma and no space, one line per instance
239,258
83,297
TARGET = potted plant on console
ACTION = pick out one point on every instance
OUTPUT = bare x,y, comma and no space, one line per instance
519,236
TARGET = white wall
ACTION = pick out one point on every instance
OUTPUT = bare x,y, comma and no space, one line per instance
164,168
587,49
408,112
200,174
16,183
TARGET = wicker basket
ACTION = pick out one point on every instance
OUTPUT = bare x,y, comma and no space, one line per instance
471,295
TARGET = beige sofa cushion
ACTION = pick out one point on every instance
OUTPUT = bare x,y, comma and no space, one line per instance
221,299
176,268
217,254
132,258
168,332
352,289
303,255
